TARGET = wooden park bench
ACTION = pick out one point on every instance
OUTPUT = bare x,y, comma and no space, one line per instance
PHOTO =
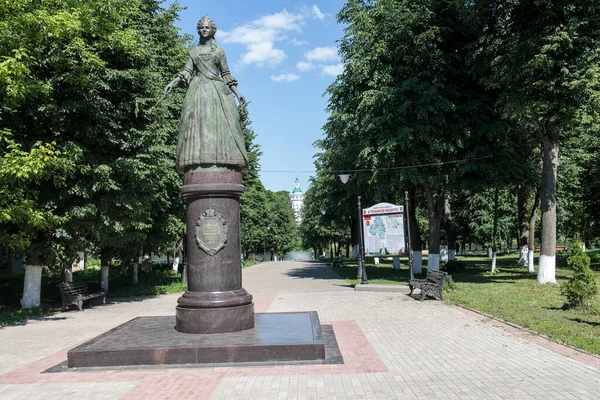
431,285
74,294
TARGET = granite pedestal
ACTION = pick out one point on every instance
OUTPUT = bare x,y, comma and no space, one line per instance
215,301
154,341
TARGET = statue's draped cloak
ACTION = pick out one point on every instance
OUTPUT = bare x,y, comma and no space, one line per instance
209,131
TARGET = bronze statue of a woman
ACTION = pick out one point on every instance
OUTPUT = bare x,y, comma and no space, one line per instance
210,133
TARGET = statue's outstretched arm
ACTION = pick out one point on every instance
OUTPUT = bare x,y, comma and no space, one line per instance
183,78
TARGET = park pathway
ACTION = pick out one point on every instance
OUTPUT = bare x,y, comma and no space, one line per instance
393,348
287,276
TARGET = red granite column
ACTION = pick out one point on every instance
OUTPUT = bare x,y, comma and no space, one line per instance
215,301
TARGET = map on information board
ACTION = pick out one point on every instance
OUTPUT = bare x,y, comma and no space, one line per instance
383,229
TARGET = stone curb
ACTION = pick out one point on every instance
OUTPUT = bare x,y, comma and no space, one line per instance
374,287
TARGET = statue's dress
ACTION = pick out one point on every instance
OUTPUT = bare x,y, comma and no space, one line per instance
209,131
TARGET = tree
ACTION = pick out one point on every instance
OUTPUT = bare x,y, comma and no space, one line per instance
407,97
282,235
581,286
544,61
253,204
83,75
26,224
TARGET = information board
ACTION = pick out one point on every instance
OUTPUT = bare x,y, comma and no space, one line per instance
383,229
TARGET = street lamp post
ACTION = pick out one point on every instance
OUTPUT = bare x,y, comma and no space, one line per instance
264,245
331,242
410,252
362,271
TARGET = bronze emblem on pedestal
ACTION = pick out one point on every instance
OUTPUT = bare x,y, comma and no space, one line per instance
211,232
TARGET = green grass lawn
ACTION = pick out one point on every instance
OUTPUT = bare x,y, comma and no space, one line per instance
511,294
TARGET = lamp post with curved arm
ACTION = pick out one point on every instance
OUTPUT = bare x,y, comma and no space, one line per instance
362,271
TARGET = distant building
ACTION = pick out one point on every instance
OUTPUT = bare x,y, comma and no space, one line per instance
297,198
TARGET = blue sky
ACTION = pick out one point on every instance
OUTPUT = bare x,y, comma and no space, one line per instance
284,56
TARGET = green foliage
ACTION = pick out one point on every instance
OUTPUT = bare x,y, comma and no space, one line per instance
475,214
253,204
78,78
581,286
23,218
283,229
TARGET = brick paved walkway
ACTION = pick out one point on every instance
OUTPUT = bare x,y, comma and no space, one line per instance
393,346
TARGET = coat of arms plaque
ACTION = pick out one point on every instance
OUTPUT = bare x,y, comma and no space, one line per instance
211,232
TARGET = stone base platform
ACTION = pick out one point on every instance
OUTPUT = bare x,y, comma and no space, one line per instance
154,341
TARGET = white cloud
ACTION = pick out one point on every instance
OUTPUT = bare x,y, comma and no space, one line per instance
282,20
318,13
297,42
333,70
263,54
323,54
260,36
305,66
285,77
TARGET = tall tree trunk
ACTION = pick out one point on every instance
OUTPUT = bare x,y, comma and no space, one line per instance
495,231
450,231
32,286
136,267
435,211
124,267
547,263
105,257
522,223
415,234
532,221
68,272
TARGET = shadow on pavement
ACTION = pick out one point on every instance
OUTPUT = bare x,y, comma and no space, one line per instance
314,271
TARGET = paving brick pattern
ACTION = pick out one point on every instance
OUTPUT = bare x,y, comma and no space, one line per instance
393,348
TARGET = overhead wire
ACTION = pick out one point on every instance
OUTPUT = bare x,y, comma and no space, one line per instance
380,169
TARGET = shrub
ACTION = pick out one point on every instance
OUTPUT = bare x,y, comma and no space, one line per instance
581,286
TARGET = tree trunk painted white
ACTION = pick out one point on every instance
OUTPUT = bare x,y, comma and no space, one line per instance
523,194
104,278
68,273
493,262
32,286
444,253
530,265
418,261
433,262
415,235
547,269
547,263
184,273
583,245
452,254
450,232
490,252
136,267
176,264
523,255
435,209
531,241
